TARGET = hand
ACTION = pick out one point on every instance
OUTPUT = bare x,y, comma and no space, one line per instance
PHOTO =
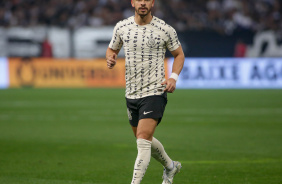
170,85
111,61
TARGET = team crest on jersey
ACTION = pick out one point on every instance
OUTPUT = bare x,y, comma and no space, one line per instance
151,42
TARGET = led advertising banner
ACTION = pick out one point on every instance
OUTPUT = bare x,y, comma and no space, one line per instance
230,73
44,73
206,73
4,73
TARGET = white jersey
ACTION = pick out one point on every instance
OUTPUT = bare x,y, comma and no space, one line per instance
144,47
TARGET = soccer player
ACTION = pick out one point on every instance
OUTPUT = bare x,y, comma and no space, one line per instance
145,39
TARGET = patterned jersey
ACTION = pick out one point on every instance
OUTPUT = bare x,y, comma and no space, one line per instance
144,47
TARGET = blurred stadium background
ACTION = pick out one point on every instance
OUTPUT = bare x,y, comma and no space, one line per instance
83,28
62,112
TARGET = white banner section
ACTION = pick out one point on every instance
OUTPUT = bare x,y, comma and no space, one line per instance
4,73
230,73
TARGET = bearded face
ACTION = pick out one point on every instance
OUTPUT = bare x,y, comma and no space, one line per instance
142,7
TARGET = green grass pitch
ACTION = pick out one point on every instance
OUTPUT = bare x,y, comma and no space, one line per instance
82,136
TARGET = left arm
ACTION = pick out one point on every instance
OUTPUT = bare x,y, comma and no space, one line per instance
176,69
111,57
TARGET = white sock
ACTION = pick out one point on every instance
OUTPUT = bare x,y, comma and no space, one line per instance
142,160
160,155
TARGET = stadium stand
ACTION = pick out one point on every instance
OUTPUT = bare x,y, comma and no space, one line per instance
223,16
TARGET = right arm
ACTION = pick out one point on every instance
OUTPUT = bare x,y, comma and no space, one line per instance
114,48
111,57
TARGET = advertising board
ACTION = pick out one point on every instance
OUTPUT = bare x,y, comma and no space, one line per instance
4,73
205,73
230,73
44,73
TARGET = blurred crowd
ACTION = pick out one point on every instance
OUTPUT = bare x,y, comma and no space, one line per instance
223,16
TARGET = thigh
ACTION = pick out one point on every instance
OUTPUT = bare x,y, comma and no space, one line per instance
146,128
134,129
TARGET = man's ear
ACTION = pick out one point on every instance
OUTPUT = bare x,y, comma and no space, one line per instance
132,3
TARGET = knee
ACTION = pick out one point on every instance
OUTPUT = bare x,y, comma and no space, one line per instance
144,135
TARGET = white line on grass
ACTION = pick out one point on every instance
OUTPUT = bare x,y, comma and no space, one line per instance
260,161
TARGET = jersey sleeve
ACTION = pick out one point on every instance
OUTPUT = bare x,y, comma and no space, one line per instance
173,42
116,42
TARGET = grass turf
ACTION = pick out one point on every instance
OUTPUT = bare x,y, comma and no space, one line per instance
82,136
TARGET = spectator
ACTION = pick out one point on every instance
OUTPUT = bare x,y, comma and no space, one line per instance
46,48
223,16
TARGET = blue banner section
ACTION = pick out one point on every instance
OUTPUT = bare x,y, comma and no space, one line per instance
4,73
209,73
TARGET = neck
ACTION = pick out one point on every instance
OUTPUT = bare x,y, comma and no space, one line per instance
143,20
